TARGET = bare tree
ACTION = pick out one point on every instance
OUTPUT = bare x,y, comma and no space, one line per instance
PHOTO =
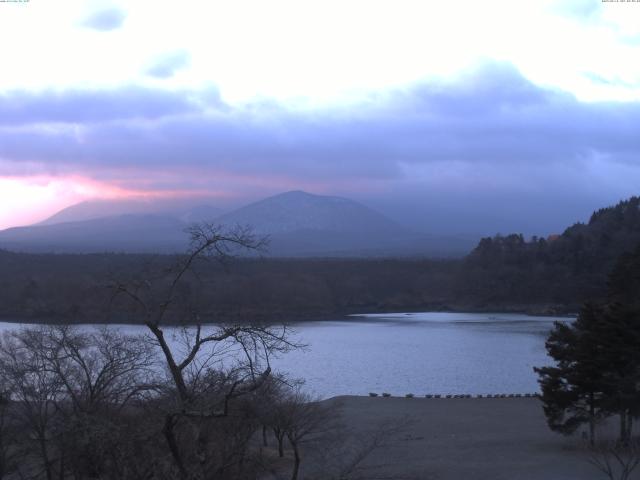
304,418
214,362
8,436
274,414
103,369
615,460
354,461
91,404
344,454
36,392
69,389
296,416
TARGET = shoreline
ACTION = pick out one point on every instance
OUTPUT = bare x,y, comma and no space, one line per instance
538,311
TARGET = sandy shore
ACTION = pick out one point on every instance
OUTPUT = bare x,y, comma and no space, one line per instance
469,438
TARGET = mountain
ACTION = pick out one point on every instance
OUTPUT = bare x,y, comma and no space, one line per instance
187,210
199,214
122,233
303,224
297,211
138,226
297,223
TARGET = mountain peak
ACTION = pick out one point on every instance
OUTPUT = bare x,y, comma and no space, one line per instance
298,210
296,193
301,195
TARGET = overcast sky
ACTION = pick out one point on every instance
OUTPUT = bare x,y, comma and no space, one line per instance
466,116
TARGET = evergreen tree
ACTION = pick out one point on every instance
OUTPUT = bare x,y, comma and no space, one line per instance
597,370
573,390
620,334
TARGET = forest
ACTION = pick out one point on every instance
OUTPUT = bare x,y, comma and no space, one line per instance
503,273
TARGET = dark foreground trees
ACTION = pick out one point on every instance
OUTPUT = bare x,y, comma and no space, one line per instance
189,400
92,404
597,371
70,401
88,404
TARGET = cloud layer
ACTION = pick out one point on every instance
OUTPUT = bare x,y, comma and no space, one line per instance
490,138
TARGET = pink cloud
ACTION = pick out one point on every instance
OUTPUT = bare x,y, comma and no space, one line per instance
28,199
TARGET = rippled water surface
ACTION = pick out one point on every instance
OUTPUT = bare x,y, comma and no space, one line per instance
422,353
417,353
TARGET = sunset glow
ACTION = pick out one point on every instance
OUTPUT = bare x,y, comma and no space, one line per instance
27,200
436,105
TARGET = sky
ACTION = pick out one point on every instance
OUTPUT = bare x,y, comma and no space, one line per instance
456,117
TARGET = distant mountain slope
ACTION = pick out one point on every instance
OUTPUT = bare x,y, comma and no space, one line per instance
300,211
298,224
303,224
123,233
188,210
199,214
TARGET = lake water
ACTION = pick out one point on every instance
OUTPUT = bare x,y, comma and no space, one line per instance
419,353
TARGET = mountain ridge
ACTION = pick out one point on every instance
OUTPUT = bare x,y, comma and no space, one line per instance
298,224
103,208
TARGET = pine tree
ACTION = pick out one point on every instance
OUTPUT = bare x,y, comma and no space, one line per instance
597,370
573,390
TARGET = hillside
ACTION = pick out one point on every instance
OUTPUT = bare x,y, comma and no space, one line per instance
297,223
564,269
123,233
302,224
301,211
195,209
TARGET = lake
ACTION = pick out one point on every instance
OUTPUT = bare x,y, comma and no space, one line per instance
419,353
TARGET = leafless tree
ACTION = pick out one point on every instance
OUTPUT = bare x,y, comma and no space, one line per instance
615,460
214,362
101,369
35,392
304,417
92,403
297,417
341,453
8,436
273,414
69,390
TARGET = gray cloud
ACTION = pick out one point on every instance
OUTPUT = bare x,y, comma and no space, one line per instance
105,20
487,140
90,106
169,64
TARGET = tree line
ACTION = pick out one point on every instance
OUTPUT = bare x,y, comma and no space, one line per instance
561,270
503,273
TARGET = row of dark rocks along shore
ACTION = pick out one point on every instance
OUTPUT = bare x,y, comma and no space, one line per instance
497,395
